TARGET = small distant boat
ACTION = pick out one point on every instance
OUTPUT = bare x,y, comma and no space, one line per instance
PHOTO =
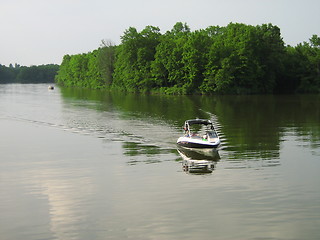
205,137
50,87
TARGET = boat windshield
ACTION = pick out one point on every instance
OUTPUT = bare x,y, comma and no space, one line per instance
212,134
199,127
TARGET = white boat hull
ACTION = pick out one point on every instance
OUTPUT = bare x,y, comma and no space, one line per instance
190,142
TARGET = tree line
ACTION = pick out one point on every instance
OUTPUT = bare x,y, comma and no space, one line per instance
235,59
32,74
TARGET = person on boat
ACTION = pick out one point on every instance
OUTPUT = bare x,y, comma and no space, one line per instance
186,130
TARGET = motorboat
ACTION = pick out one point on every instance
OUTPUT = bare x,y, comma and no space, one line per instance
196,162
199,133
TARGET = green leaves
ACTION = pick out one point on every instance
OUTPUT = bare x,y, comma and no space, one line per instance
134,58
236,59
88,70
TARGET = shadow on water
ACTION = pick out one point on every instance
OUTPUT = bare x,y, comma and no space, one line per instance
250,127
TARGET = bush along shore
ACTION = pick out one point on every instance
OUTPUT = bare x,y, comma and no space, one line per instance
235,59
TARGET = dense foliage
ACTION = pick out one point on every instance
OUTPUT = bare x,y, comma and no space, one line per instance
88,70
33,74
237,59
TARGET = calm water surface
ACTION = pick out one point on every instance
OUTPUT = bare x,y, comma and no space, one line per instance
79,164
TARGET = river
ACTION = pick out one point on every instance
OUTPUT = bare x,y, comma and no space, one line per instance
81,164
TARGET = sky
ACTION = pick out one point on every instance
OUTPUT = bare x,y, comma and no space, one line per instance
36,32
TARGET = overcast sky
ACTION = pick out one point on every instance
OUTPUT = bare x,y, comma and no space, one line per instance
35,32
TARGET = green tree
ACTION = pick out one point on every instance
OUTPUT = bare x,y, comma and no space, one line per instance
168,67
37,74
310,76
194,59
64,77
243,59
106,60
236,59
134,59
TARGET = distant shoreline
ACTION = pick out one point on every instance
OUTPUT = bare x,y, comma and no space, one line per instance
34,74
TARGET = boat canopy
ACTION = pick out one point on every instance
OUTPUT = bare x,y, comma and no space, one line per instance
190,122
198,121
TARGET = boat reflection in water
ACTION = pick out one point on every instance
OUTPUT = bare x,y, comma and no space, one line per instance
198,160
